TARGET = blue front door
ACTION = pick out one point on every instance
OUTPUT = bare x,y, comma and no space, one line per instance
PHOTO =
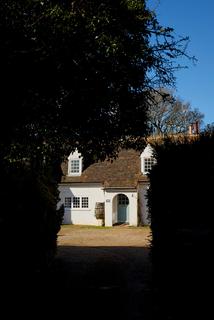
123,206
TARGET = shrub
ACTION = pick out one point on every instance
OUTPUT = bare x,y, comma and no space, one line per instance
181,207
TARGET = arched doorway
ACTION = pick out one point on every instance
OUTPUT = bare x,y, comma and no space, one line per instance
122,208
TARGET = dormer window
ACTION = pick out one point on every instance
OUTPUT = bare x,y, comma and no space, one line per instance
148,164
147,160
75,164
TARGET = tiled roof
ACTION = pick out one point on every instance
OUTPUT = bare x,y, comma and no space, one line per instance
124,171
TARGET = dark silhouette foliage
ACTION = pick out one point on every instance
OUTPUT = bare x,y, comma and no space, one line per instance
181,211
74,74
29,219
80,73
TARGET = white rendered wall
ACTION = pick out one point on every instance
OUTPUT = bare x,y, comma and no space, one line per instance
114,210
84,216
142,205
95,194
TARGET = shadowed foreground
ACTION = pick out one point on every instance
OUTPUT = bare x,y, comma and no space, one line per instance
108,281
105,272
93,281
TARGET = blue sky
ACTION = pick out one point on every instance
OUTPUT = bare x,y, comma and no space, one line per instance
194,19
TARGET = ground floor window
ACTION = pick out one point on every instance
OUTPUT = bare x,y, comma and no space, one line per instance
76,202
67,202
84,202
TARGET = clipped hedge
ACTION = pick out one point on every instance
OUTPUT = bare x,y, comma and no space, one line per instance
181,209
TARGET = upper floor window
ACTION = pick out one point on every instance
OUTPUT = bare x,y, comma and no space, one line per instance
147,160
148,163
75,164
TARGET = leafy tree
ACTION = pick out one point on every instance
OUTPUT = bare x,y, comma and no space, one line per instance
80,71
209,128
168,115
74,74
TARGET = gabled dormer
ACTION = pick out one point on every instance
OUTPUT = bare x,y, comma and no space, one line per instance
147,159
75,164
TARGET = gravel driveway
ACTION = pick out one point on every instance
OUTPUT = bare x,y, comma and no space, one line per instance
105,272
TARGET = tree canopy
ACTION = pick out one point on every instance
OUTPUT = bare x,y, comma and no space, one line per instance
79,72
170,115
73,74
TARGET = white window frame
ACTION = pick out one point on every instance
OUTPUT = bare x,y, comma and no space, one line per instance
66,201
74,166
147,154
75,156
82,201
148,166
81,208
76,201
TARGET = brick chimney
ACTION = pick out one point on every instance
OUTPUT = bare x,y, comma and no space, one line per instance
194,128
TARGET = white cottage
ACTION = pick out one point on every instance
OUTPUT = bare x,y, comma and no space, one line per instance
120,186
